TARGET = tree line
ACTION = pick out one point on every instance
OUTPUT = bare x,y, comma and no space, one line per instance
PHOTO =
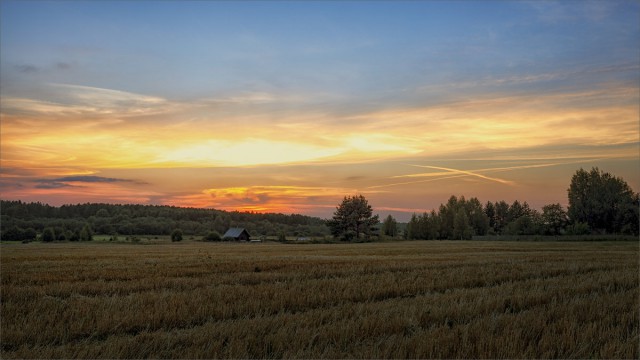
460,218
599,203
28,221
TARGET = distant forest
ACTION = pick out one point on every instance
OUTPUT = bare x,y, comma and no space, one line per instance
599,203
22,221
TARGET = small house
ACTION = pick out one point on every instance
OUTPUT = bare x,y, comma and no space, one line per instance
238,234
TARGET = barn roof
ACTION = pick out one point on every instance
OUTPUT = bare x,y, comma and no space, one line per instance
234,232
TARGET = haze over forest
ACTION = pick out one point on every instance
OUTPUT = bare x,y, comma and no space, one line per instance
289,106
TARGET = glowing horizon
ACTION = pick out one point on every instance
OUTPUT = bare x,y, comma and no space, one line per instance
274,116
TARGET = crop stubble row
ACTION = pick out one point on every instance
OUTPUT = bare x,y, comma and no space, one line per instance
391,300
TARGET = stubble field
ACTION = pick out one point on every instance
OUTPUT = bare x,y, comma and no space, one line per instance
431,299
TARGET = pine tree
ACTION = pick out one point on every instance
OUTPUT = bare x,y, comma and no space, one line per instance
352,218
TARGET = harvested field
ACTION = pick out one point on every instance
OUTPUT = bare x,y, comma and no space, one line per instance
429,299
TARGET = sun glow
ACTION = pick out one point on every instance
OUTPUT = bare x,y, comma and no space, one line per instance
87,142
280,198
102,128
242,153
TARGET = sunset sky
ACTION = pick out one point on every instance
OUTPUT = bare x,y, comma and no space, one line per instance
289,106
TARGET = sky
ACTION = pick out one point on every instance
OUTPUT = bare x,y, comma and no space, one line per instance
289,106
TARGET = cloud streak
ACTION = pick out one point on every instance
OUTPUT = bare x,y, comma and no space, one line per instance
27,68
78,181
79,102
457,173
264,198
110,135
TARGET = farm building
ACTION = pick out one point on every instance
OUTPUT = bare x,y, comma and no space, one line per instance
238,234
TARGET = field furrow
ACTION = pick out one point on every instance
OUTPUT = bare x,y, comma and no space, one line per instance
394,300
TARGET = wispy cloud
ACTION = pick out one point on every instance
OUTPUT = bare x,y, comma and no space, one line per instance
90,179
78,181
46,184
242,152
325,106
26,68
85,101
63,65
43,69
78,189
264,198
203,135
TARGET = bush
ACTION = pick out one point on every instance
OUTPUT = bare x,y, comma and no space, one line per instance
15,233
176,235
29,234
579,228
48,235
73,235
60,235
212,236
86,234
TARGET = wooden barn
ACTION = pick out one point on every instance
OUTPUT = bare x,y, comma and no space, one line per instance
238,234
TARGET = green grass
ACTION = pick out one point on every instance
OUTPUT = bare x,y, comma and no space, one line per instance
429,299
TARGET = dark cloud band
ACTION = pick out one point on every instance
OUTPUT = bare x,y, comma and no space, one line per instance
64,181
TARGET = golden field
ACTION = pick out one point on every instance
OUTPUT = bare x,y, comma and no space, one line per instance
429,299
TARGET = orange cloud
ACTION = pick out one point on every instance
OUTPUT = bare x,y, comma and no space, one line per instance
282,199
80,191
102,128
91,131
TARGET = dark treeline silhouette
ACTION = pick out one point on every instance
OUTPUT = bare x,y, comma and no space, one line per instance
460,218
599,203
23,221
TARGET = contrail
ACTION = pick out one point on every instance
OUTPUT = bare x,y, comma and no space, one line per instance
464,173
470,173
430,174
495,169
417,181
